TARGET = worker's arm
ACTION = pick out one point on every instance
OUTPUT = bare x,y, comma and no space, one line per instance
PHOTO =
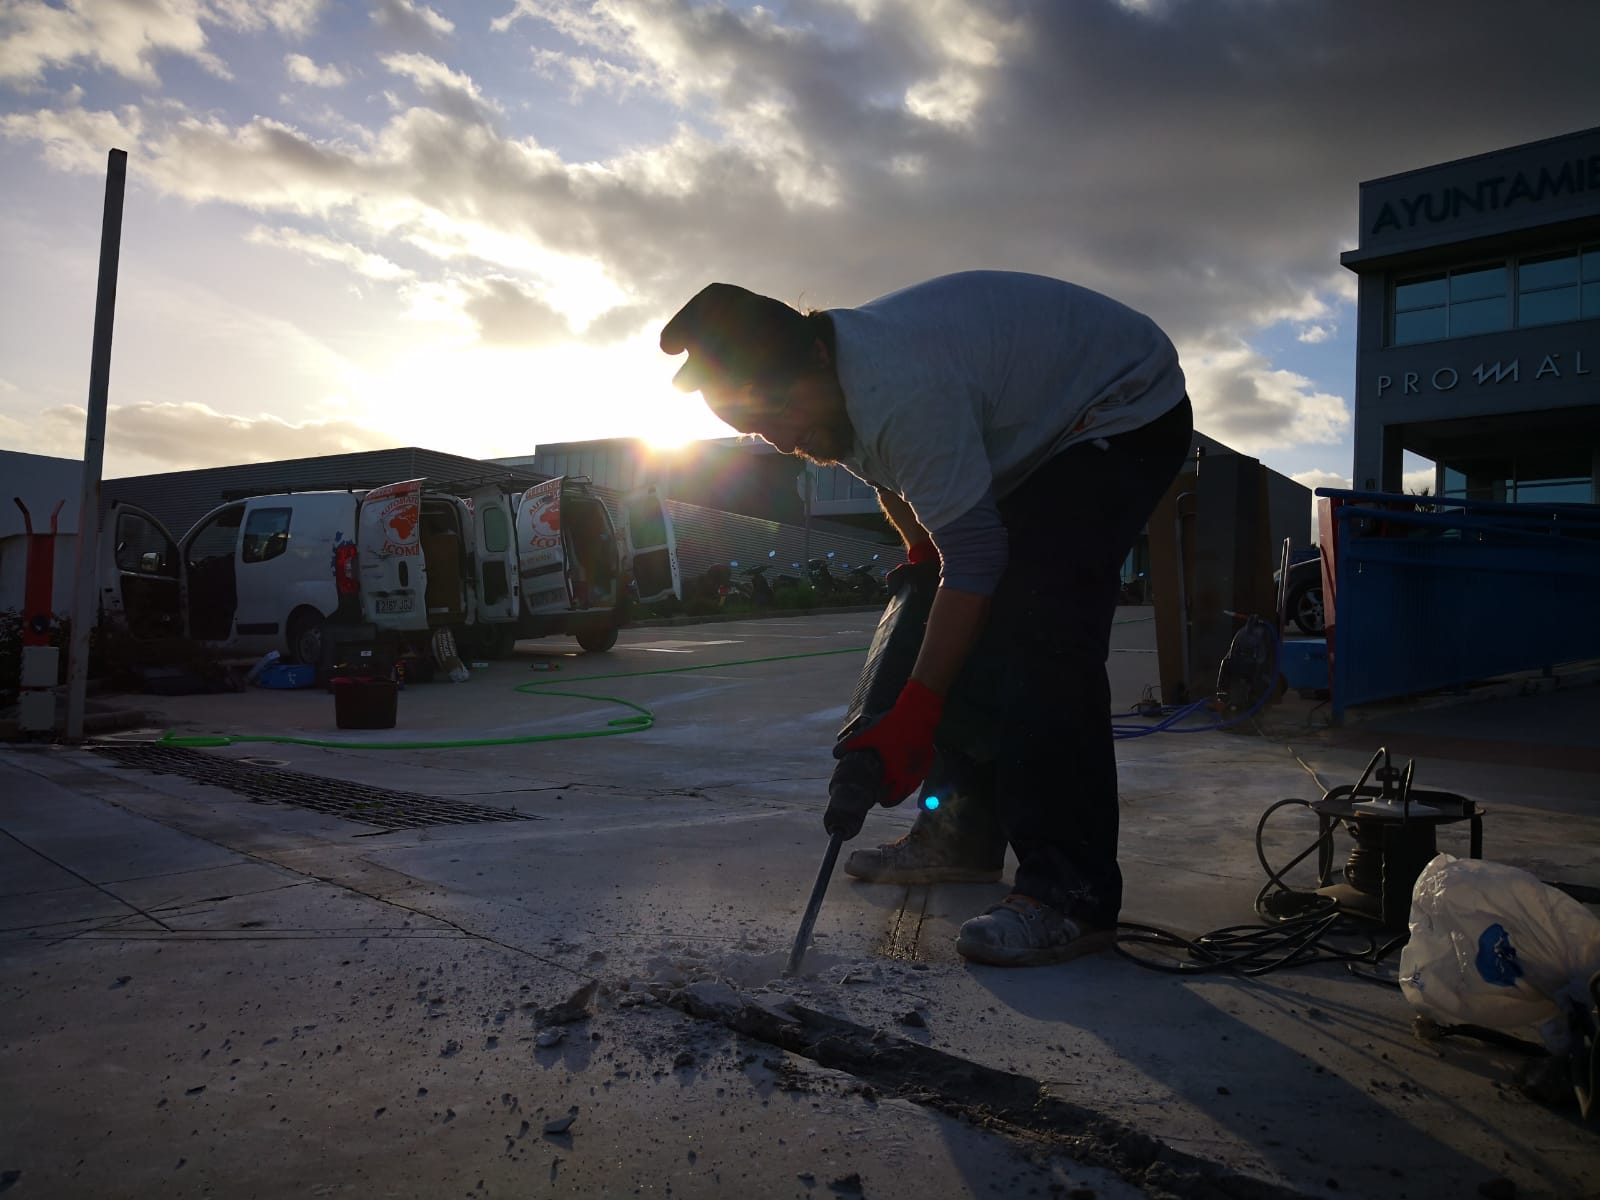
954,623
902,518
973,551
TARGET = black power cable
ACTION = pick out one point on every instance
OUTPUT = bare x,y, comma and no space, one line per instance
1306,927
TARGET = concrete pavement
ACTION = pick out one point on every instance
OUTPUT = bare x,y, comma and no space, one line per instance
210,995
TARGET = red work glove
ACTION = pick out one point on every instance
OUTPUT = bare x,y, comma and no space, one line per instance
922,561
903,740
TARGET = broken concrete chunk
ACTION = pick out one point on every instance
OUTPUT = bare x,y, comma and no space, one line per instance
560,1124
846,1185
574,1008
913,1019
684,1059
713,996
549,1037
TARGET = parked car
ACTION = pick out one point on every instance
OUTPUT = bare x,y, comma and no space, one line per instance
279,572
1302,601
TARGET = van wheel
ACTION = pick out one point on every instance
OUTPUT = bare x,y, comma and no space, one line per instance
598,641
307,632
1304,607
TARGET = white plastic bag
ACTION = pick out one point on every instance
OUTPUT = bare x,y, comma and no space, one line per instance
1492,946
261,664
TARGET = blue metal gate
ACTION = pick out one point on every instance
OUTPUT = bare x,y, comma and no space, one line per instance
1422,593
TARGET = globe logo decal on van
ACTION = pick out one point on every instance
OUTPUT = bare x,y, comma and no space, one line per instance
399,522
544,521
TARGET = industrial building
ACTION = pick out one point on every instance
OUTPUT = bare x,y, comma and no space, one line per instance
1478,324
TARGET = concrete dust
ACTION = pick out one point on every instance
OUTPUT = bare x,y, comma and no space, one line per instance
746,965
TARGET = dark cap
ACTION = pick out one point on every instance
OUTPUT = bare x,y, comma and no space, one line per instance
734,335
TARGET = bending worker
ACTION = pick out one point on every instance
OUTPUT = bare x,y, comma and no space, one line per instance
1019,431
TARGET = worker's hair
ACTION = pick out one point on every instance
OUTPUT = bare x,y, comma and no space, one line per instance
796,357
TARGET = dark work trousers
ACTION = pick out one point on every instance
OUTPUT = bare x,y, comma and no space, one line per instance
1050,787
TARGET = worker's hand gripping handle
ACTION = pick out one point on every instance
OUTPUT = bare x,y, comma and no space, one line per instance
856,786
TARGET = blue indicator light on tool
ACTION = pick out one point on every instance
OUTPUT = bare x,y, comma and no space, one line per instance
930,803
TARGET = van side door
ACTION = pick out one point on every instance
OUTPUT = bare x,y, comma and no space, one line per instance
540,553
494,555
652,548
265,573
211,573
141,574
394,581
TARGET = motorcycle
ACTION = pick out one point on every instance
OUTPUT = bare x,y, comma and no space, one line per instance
865,581
820,578
760,586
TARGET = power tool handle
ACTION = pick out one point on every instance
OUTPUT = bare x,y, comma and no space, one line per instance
856,786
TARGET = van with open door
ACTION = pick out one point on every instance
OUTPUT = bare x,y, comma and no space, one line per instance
278,572
275,572
580,572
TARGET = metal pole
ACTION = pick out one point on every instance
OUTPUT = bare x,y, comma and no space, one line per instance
808,492
86,576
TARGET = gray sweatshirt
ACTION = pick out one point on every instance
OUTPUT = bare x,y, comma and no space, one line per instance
961,387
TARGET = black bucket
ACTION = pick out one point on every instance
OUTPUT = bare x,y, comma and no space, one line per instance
364,703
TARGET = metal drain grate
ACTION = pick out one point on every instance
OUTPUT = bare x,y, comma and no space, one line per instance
335,797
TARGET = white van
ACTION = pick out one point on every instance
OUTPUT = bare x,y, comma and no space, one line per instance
578,573
275,572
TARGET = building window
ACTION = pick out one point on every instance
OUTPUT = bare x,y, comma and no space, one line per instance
1452,304
1550,289
1550,477
1547,289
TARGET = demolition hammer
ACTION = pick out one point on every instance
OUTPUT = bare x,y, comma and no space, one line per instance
857,783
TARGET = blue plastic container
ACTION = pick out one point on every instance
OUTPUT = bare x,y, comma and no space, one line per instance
288,675
1304,663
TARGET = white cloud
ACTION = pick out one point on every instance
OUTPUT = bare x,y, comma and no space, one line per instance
588,73
452,93
411,20
362,262
303,70
1245,402
1419,481
1313,334
109,34
74,138
175,436
1319,478
1414,482
296,18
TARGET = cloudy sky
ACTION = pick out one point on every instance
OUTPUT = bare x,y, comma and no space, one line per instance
353,224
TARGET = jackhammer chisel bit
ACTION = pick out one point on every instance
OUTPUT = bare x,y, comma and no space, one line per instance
857,781
852,791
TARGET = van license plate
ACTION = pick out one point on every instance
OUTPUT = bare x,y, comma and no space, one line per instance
394,604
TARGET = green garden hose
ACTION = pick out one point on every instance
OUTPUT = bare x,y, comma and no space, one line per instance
641,719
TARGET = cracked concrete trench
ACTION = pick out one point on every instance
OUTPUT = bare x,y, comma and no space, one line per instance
356,1005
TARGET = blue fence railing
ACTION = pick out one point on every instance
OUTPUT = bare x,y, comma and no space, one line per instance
1426,593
